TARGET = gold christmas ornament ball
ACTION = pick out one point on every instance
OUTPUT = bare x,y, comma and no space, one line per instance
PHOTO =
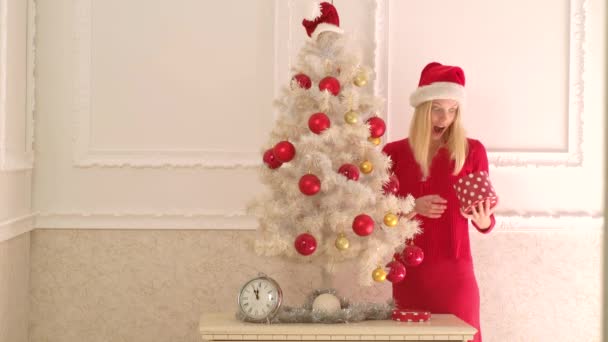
379,274
360,80
391,220
375,141
351,117
342,242
366,167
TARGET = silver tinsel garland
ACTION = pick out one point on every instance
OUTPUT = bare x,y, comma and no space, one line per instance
349,312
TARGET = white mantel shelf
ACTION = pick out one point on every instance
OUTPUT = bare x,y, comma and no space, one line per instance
225,327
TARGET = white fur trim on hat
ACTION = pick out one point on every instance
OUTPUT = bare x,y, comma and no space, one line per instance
436,91
324,27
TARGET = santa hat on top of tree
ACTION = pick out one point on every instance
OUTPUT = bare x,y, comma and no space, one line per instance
439,81
324,18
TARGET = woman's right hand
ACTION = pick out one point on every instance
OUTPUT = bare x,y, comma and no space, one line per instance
431,206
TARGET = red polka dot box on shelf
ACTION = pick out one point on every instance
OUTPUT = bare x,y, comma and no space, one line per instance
406,315
474,188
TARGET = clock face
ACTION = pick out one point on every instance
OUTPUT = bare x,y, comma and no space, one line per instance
259,298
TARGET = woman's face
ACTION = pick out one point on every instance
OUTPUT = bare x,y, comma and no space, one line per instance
443,113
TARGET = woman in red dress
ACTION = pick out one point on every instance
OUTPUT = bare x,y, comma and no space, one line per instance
427,163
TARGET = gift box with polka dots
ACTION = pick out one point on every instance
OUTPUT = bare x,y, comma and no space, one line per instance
474,188
408,315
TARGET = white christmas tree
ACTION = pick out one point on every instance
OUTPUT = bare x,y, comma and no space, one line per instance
331,197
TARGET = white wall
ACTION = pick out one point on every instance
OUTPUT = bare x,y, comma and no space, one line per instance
156,120
147,118
16,117
16,162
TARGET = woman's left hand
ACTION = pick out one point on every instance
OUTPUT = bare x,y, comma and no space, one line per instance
481,214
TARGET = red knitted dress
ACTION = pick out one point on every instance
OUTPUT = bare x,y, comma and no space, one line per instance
444,282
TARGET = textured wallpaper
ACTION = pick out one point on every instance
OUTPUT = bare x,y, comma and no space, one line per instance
93,285
540,285
118,285
14,288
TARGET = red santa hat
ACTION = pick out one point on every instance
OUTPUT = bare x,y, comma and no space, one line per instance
324,18
439,81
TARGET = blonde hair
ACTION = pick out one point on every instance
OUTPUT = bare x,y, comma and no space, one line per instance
420,138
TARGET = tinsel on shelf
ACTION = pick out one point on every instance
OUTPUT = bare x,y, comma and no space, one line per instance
348,312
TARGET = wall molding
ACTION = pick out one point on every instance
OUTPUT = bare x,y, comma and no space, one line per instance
381,53
87,156
208,159
10,159
573,157
576,90
282,45
134,220
506,222
543,221
16,226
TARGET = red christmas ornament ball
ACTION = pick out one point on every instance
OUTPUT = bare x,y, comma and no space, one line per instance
309,184
392,186
363,225
350,171
284,151
331,84
270,160
412,255
377,127
303,81
318,122
305,244
397,271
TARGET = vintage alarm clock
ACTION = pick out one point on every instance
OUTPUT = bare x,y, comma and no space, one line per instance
259,299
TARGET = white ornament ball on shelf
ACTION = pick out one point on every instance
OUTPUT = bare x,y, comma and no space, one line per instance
326,302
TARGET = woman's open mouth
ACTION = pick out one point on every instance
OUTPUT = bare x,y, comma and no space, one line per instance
438,129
